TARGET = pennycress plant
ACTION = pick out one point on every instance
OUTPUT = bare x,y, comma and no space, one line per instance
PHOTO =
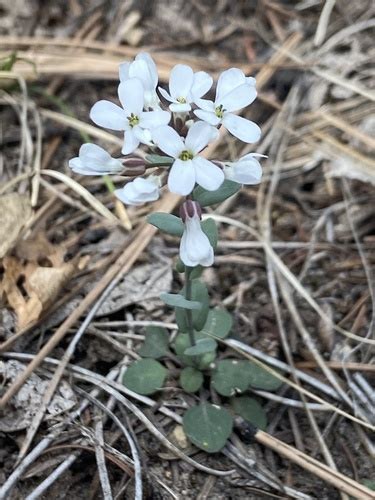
175,136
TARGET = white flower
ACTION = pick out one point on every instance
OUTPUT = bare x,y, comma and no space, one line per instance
247,170
185,87
143,68
139,191
189,168
94,160
234,91
195,247
131,118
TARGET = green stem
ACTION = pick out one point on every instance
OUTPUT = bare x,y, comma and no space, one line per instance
189,312
108,182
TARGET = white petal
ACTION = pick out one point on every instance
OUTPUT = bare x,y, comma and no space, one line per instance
245,171
239,98
98,160
131,96
168,140
251,80
152,69
229,80
179,107
140,70
195,247
181,179
207,116
208,175
94,152
198,136
205,104
139,191
166,96
180,81
131,142
202,83
124,71
244,129
108,115
153,119
143,135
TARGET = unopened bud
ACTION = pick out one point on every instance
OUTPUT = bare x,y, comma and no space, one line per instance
190,209
134,167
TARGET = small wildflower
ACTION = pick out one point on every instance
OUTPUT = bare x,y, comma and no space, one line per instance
131,118
185,87
189,167
139,191
195,247
94,160
143,68
234,91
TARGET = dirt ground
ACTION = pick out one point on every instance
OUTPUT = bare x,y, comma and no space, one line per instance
301,291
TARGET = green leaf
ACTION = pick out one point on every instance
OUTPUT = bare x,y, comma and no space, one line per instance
167,223
182,342
205,360
205,198
155,344
177,300
230,377
210,229
161,161
259,378
191,379
196,272
199,293
145,376
208,426
249,409
219,323
202,346
180,266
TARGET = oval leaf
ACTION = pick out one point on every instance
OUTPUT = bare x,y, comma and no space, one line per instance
230,377
145,376
259,378
167,223
249,409
218,324
215,426
161,161
201,347
155,344
191,379
182,342
177,300
205,198
210,229
199,293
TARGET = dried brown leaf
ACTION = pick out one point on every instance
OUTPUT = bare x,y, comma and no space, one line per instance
15,211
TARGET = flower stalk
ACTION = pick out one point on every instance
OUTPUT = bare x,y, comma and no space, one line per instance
189,313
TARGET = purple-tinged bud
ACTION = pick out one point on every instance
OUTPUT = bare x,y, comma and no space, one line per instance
190,209
133,162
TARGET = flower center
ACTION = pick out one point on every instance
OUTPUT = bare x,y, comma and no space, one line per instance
133,120
186,155
219,111
181,100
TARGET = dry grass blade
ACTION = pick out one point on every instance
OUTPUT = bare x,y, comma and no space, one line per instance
83,193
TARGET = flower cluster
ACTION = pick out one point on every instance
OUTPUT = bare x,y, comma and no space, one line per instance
181,131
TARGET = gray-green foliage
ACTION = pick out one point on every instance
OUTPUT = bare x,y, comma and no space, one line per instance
191,379
199,293
155,344
208,426
251,410
145,376
206,198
